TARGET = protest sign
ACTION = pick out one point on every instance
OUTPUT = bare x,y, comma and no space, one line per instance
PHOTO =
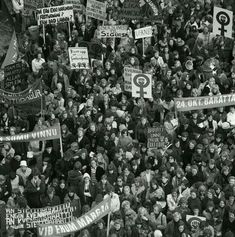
96,9
55,15
223,22
14,74
95,214
78,57
143,32
156,136
77,5
153,5
40,135
141,85
31,218
194,222
29,7
116,31
204,102
127,77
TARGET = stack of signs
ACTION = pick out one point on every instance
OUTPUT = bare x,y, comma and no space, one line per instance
144,32
55,15
96,9
77,5
223,22
78,57
29,7
14,74
116,31
127,77
157,136
141,85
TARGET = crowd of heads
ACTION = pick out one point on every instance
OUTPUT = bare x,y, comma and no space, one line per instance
104,130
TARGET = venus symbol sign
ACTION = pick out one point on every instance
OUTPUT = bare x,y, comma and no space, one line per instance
141,85
222,22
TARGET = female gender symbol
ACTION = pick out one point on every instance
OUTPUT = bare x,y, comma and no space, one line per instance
141,81
224,20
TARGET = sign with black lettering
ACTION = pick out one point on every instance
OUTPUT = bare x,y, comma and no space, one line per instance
156,136
127,77
77,5
223,22
143,32
194,222
78,57
32,218
116,31
96,9
55,15
13,74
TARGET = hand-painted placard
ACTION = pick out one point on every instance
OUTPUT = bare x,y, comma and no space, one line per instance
127,77
141,85
55,15
223,22
78,57
96,9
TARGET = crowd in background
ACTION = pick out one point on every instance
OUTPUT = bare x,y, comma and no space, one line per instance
104,129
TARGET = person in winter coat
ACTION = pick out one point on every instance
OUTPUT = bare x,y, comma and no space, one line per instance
74,200
129,216
35,187
172,226
157,218
50,199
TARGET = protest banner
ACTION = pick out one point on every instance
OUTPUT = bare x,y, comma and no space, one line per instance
95,214
156,136
204,102
55,15
14,74
40,135
96,9
143,32
222,22
78,57
31,94
127,77
77,5
29,7
116,31
31,218
130,10
194,222
141,85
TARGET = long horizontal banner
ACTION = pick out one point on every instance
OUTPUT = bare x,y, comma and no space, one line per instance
31,218
41,135
204,102
95,214
29,95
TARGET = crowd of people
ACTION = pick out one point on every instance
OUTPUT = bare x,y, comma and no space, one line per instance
104,129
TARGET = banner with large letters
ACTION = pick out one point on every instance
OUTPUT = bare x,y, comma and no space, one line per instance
40,135
31,218
95,214
31,94
204,102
